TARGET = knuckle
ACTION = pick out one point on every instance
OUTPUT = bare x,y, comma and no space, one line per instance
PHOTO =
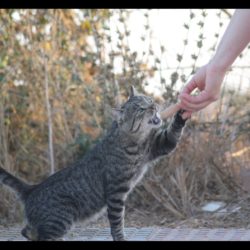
214,98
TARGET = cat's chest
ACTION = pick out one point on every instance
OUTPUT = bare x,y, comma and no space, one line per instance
129,166
136,153
139,167
139,173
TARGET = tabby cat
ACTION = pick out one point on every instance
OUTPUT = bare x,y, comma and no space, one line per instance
103,178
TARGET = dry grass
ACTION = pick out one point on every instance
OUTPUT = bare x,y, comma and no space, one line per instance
203,168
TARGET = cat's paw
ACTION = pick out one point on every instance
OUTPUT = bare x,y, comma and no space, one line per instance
119,239
179,117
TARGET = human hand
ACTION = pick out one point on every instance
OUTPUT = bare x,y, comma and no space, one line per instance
208,81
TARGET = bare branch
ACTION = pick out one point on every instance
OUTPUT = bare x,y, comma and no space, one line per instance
51,149
227,12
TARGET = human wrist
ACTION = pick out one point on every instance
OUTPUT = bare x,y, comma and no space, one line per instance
216,66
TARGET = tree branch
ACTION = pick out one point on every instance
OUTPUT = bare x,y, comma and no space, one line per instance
51,149
226,12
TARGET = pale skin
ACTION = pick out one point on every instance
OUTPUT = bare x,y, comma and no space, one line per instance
208,79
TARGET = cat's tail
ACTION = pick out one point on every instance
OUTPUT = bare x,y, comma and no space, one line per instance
22,189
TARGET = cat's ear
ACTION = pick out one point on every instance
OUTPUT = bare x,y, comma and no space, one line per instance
133,91
117,114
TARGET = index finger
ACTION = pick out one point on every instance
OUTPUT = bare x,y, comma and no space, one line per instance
197,99
189,87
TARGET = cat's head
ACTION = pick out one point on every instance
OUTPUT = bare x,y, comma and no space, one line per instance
138,115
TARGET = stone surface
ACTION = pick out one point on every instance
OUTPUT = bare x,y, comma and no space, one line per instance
141,234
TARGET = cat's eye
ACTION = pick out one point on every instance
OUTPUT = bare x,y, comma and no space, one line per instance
141,110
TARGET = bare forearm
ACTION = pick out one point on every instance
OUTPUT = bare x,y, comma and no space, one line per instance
208,79
234,40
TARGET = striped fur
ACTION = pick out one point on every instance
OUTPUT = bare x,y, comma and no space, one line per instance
103,178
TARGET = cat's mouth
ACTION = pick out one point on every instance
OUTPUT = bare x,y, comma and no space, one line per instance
155,120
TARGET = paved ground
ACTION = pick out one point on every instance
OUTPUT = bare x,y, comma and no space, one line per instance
142,234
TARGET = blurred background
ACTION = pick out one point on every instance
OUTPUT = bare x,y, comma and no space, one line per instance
61,72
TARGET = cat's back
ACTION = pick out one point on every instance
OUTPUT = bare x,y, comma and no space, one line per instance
81,184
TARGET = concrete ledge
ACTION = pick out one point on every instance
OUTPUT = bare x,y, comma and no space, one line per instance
141,234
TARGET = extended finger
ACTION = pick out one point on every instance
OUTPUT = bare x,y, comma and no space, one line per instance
201,98
193,107
186,114
189,87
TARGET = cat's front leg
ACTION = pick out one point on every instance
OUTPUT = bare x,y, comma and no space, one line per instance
165,140
178,122
174,130
116,211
